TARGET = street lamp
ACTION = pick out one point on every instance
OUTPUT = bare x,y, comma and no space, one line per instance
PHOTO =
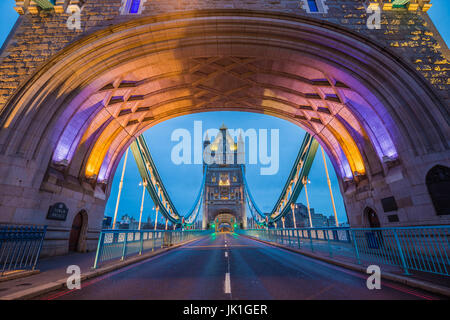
143,184
156,216
293,206
120,190
305,182
329,187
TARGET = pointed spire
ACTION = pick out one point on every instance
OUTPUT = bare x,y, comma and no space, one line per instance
207,137
223,127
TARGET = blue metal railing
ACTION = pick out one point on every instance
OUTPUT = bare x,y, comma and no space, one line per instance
425,249
20,247
293,186
115,244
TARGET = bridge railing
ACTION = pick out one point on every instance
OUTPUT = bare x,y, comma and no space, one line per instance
425,249
20,247
115,244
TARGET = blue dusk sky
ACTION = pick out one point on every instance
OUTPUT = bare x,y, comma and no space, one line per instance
183,181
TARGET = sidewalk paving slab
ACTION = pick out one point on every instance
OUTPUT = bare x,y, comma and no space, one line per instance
53,276
421,280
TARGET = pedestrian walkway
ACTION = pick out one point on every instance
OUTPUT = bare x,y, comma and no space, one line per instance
53,270
342,256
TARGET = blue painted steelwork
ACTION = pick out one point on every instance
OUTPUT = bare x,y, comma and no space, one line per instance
425,249
192,215
293,186
20,247
257,215
289,194
156,189
134,7
120,244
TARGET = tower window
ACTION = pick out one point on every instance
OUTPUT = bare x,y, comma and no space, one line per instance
313,6
134,7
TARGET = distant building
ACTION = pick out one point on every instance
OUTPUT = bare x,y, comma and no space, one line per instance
302,218
128,222
107,222
146,225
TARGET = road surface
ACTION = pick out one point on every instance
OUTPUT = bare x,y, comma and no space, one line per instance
229,266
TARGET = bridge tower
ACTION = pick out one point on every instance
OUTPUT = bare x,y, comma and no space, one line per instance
223,199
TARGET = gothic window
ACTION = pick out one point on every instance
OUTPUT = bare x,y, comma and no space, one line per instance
312,6
372,218
132,6
224,193
438,185
315,6
224,179
234,179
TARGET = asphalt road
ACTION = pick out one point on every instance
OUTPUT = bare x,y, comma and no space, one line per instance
228,266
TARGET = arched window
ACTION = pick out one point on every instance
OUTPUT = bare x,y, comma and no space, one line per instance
315,6
132,6
438,184
372,218
77,237
312,6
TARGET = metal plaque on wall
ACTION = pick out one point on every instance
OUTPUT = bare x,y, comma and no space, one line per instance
58,211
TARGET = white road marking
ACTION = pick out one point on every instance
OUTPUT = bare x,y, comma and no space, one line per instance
226,254
227,286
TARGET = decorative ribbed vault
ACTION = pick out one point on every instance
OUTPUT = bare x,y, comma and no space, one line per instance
94,98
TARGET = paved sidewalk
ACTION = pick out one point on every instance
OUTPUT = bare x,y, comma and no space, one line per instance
53,271
423,280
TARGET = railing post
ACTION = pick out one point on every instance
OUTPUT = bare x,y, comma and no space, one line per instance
400,252
330,248
289,237
310,240
40,247
124,250
153,240
99,252
298,239
141,238
355,245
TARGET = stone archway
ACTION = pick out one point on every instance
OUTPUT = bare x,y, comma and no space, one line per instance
371,218
78,232
66,128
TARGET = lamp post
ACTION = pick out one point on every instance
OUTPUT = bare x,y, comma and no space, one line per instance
293,215
156,217
329,187
305,182
143,184
120,189
167,221
282,221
